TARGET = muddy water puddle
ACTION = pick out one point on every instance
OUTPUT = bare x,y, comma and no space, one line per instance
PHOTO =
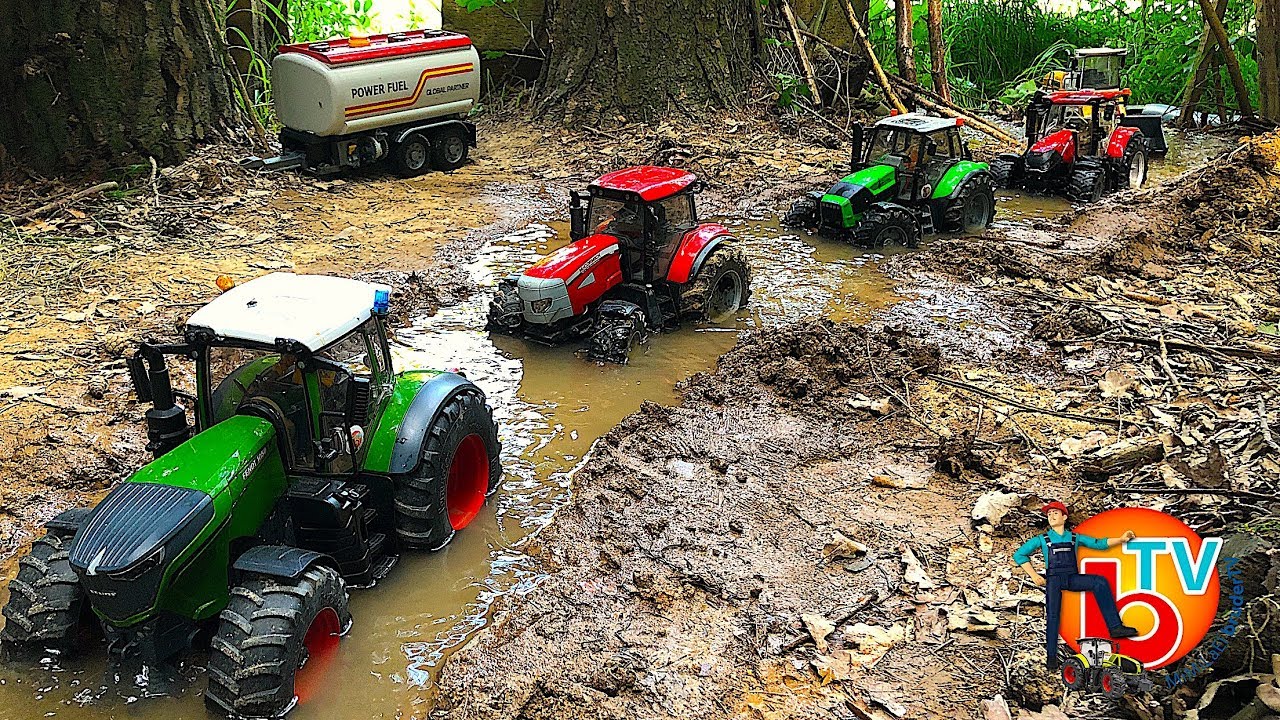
551,405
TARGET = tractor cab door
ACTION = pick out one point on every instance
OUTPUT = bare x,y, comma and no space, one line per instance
626,221
263,383
669,220
915,162
942,148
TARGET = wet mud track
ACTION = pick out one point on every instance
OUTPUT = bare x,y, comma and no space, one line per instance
746,437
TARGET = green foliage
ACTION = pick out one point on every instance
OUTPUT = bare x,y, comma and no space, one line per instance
998,48
311,20
789,87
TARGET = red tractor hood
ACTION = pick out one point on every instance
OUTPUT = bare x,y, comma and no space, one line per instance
1063,141
574,258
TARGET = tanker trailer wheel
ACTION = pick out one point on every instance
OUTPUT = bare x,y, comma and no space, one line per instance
45,600
721,288
458,469
448,149
275,640
412,155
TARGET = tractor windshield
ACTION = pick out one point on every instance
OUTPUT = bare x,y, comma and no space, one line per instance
265,383
894,147
615,217
1101,72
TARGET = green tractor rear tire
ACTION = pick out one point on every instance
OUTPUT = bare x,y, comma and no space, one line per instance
45,600
887,223
802,213
459,468
973,207
269,630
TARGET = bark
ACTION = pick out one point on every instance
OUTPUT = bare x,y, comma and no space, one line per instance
1268,35
1228,58
906,46
938,50
86,80
255,29
647,57
1195,84
867,49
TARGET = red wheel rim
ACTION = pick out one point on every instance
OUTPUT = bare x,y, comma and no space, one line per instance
321,642
1106,683
1069,674
468,481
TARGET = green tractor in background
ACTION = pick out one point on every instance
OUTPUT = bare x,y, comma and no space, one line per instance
312,464
916,176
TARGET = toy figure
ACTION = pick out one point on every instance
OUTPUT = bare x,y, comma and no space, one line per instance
1058,546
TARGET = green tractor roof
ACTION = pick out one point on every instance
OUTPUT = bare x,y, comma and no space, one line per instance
917,122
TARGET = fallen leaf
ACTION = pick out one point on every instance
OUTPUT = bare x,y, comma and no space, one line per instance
1075,447
75,316
17,392
915,572
841,547
819,628
993,505
995,709
1115,384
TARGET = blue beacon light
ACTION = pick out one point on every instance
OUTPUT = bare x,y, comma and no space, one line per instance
381,301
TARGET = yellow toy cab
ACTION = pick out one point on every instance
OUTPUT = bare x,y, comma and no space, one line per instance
1097,667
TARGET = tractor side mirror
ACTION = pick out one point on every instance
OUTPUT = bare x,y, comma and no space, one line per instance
578,203
855,136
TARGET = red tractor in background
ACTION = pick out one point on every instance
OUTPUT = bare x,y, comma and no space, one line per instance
1078,144
639,261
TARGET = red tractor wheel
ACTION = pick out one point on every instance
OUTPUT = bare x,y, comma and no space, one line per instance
1074,674
1113,683
1086,183
721,288
1131,170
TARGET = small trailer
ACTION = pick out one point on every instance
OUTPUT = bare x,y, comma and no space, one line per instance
398,97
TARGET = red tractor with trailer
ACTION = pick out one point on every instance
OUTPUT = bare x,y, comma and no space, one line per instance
638,261
399,97
1078,144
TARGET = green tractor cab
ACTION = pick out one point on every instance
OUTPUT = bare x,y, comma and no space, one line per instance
310,466
915,176
1098,667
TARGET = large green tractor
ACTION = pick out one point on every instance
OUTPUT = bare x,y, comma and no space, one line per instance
916,176
311,465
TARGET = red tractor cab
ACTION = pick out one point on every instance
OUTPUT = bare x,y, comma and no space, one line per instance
639,261
1078,144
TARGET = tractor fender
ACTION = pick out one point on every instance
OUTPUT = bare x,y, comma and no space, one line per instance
421,415
955,176
695,247
1120,140
280,561
67,522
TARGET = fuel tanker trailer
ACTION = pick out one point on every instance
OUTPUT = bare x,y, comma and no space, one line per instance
350,102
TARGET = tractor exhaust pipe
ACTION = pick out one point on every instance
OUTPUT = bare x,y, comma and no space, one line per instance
855,155
167,425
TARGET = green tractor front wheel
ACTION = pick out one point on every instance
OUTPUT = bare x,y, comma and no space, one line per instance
887,224
1074,674
459,468
275,639
45,600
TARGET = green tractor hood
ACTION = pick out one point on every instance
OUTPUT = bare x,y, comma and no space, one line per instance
159,541
843,205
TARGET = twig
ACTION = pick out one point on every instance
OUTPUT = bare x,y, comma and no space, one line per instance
1196,491
870,51
60,202
807,638
1021,405
804,55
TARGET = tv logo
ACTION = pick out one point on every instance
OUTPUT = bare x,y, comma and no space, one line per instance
1165,583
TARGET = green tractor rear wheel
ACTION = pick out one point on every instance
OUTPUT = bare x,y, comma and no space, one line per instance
887,224
274,641
459,468
973,208
1074,674
45,600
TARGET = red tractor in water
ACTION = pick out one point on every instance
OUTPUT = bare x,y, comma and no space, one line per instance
639,261
1078,144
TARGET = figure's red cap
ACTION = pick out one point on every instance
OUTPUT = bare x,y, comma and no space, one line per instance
1055,505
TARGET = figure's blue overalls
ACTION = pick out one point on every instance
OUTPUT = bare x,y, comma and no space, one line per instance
1063,574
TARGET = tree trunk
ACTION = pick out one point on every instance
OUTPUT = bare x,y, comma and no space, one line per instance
1229,59
86,80
906,41
1268,19
255,29
647,57
1195,84
938,50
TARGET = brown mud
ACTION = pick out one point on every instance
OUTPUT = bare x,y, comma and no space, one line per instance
822,472
812,532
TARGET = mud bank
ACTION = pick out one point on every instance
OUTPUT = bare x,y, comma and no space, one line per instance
823,527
